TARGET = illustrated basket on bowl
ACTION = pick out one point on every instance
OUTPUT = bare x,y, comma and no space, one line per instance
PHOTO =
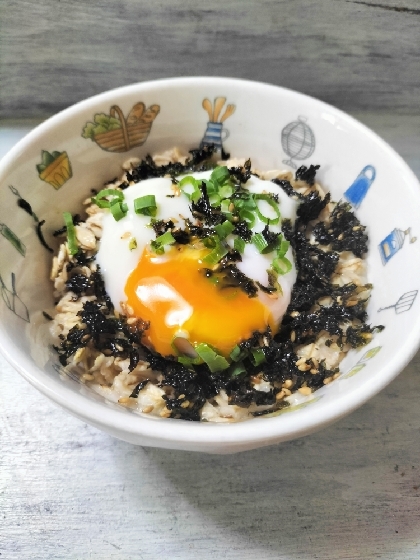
133,132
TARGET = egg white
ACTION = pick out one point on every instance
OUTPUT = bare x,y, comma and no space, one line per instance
117,260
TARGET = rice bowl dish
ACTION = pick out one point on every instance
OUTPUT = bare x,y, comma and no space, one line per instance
53,170
185,302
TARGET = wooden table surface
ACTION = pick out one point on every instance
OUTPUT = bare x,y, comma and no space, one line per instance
69,491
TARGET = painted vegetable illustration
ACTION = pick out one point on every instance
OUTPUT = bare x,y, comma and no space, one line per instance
115,133
12,300
55,168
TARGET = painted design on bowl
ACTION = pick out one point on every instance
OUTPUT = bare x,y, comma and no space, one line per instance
216,133
8,234
24,204
404,302
360,186
55,168
393,242
361,363
298,141
12,300
115,133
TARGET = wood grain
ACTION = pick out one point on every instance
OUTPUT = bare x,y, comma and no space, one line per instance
358,55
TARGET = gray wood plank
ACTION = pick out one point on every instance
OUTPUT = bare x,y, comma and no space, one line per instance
358,55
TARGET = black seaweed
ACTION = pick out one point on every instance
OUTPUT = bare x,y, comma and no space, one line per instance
148,169
344,232
307,174
138,388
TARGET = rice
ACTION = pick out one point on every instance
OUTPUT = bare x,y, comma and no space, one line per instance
303,359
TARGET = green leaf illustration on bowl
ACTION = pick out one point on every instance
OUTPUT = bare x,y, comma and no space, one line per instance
55,168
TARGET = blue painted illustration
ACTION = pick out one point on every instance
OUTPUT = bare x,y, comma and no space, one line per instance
12,300
404,302
358,190
8,234
215,133
298,141
393,242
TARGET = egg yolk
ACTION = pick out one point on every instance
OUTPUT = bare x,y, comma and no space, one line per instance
173,293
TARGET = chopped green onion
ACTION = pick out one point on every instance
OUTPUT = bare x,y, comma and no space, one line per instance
71,233
191,188
239,245
188,362
215,361
225,207
271,202
210,242
132,244
283,248
214,199
220,175
281,265
236,354
118,210
165,239
247,216
260,242
145,205
224,229
258,356
101,198
226,191
237,369
216,254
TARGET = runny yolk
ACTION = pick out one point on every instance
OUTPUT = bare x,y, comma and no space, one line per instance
174,295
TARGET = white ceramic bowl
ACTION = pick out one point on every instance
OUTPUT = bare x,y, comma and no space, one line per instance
277,128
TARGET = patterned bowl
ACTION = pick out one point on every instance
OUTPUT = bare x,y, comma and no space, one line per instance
55,166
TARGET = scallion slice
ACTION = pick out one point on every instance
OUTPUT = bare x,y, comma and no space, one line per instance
215,361
237,369
283,247
224,229
101,198
258,356
145,205
236,354
132,244
260,242
281,265
158,245
190,187
118,210
239,245
247,216
274,205
71,233
216,255
220,175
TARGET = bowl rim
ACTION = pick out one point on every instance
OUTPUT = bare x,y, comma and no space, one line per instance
261,430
